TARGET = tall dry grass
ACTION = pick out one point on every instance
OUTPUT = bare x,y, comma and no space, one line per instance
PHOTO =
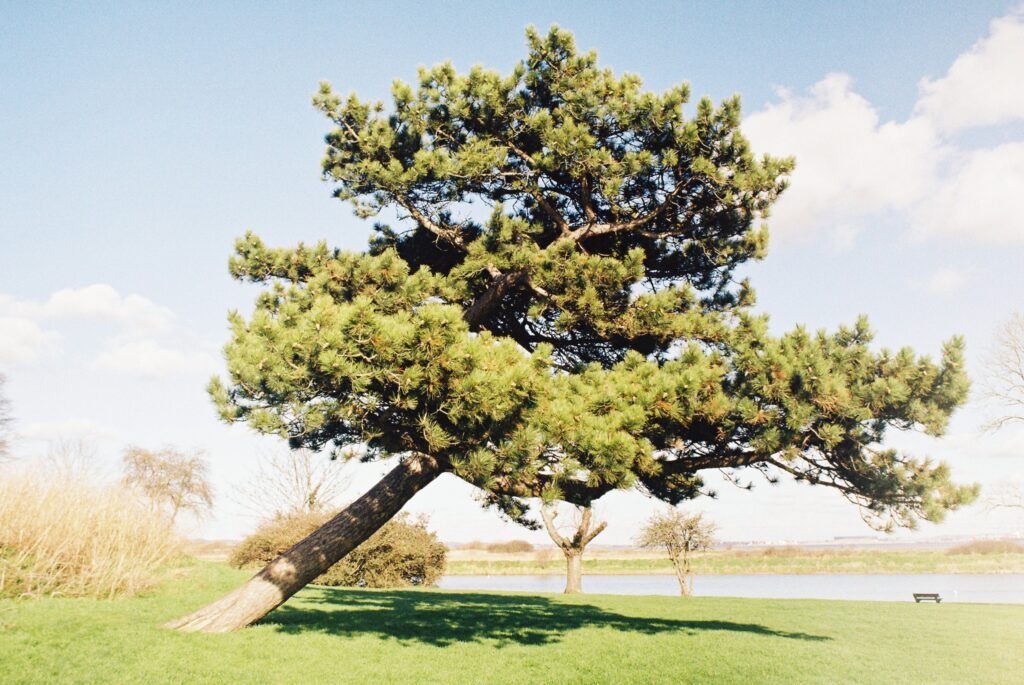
987,547
68,536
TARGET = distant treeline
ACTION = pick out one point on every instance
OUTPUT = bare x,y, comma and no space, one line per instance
507,547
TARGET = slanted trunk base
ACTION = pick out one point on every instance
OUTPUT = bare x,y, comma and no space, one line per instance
315,554
239,608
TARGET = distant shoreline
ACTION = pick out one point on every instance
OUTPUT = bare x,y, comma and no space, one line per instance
985,557
768,561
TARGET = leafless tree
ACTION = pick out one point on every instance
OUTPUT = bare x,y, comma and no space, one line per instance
1005,373
171,479
72,458
573,545
678,534
1006,496
294,481
5,421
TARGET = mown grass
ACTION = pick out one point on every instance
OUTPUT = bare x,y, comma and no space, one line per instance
768,561
352,636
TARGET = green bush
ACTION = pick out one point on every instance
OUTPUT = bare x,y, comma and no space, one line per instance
402,553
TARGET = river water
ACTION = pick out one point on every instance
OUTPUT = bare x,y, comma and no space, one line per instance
961,587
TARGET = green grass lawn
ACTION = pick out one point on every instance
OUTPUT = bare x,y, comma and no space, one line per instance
364,636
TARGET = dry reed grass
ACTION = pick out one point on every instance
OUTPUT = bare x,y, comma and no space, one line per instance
506,547
69,536
988,547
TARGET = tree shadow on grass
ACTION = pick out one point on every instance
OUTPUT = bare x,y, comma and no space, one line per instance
442,619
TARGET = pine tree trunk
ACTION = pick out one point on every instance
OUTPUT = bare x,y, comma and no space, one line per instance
312,556
573,572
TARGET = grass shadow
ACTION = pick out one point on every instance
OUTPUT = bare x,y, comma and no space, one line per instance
445,618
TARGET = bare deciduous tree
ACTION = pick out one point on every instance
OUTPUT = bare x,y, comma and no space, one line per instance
73,458
574,545
1006,496
171,479
294,481
5,421
1005,373
678,534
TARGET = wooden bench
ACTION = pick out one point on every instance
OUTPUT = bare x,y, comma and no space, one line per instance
927,597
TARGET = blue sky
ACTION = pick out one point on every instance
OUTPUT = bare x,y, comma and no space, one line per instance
139,141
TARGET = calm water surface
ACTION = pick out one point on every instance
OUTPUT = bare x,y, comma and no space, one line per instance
961,587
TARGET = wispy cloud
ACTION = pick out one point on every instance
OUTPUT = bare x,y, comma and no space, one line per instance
97,302
944,280
153,359
22,340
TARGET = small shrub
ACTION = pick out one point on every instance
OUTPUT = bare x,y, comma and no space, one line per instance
402,553
544,557
987,547
275,536
67,536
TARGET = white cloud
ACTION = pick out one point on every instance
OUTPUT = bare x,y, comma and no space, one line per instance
139,336
96,302
852,169
984,85
849,165
978,198
22,340
945,280
103,302
153,359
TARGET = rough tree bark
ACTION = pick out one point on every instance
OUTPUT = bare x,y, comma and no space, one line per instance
573,547
573,572
312,556
681,564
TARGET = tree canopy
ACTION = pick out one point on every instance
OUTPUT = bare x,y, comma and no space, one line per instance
556,312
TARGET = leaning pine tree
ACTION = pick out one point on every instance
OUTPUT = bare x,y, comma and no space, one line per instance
555,316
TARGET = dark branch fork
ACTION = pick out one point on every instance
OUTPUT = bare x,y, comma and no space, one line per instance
503,282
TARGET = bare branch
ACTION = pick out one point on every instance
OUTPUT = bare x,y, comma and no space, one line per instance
1008,496
170,478
289,481
592,229
549,515
448,234
598,529
5,421
1005,373
483,304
